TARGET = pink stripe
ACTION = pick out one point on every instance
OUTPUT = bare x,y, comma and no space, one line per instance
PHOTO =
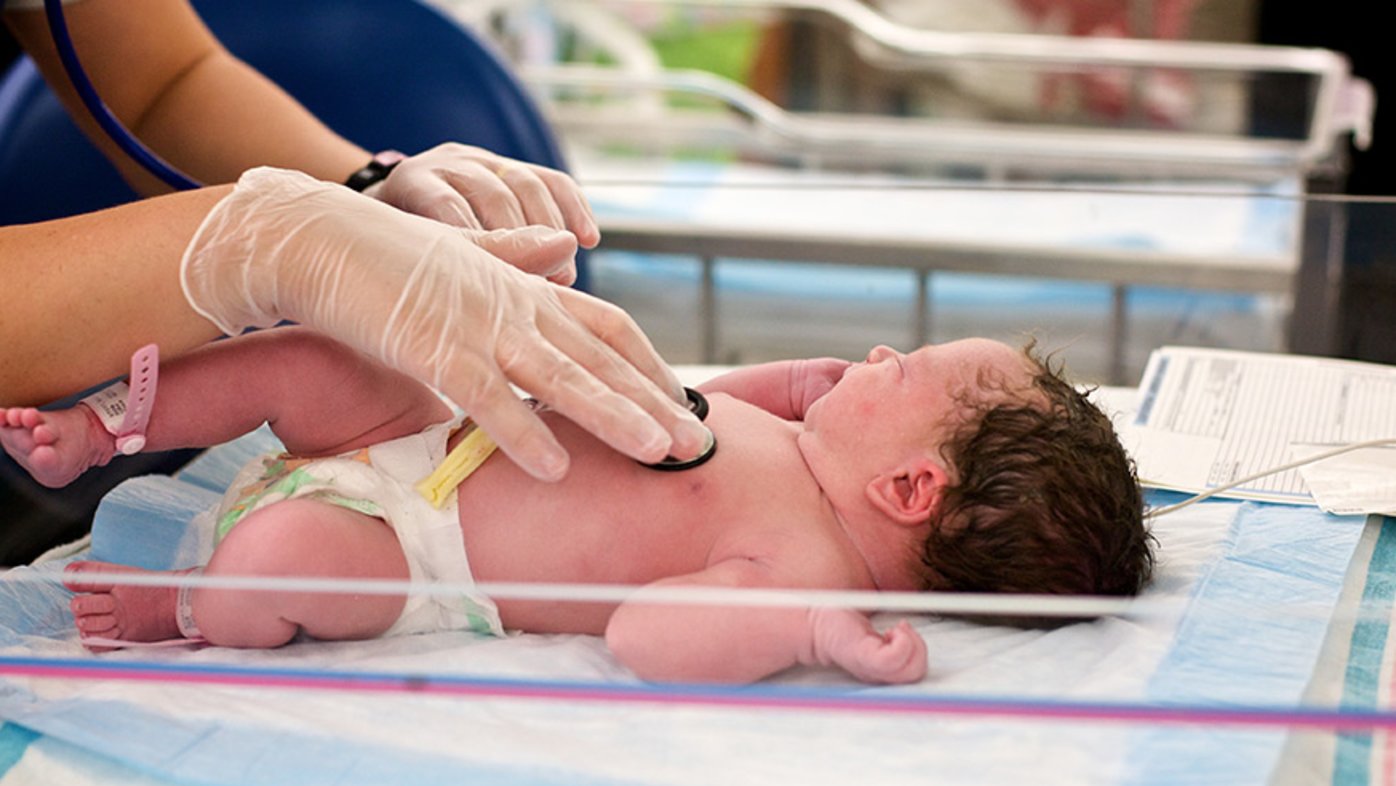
1384,747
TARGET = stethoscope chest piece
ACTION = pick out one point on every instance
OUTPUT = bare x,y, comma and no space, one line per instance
698,405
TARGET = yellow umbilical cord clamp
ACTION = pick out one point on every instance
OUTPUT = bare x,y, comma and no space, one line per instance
465,458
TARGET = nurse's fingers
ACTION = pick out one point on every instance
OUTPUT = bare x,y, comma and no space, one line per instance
537,250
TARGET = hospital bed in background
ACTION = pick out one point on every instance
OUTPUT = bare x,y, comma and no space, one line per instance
691,163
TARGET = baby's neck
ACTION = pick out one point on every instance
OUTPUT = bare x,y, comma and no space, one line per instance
880,543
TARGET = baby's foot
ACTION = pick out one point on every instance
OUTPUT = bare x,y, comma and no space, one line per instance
125,612
55,447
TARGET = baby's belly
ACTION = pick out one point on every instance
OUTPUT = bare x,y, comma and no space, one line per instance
612,521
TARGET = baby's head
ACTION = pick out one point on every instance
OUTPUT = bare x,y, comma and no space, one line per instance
1043,499
1011,479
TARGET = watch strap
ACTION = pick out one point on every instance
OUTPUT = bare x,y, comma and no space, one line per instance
375,170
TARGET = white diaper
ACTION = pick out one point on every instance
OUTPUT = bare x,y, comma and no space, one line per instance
378,481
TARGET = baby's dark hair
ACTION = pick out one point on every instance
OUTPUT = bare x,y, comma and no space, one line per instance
1046,501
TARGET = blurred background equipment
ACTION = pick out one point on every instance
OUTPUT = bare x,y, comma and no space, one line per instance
787,177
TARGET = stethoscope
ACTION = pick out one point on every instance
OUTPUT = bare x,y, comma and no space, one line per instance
129,144
133,147
699,407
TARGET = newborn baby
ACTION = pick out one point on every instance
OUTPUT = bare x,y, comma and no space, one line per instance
965,466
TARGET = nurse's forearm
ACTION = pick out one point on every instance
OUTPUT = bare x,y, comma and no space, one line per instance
223,118
177,89
81,294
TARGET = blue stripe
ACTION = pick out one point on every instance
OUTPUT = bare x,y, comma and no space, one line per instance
1225,654
881,699
14,741
1148,396
1352,759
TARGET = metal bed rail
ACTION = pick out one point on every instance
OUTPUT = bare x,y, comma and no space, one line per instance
1341,104
1119,269
815,138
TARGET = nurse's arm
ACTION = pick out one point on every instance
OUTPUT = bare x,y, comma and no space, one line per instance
82,294
171,83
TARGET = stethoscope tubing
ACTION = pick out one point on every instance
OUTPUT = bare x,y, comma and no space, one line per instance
110,125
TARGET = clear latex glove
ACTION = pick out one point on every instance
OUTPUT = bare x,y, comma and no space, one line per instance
438,303
471,187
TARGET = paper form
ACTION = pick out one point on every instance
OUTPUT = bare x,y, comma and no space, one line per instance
1363,481
1207,417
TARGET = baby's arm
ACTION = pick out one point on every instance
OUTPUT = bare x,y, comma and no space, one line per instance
696,643
784,388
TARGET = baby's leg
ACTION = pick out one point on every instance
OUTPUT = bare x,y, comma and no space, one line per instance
319,396
296,538
55,447
121,611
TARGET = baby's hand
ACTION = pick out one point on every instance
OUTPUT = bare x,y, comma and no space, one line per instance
812,378
897,656
846,638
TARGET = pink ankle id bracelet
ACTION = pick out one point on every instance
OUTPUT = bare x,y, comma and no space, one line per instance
124,408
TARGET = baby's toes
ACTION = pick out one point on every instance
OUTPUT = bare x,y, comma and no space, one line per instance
44,434
87,605
97,625
26,417
93,618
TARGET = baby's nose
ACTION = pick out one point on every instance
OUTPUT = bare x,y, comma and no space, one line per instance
880,352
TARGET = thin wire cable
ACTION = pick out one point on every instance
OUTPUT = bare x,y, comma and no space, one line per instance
129,144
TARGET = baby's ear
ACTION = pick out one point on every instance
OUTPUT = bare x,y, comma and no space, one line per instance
909,494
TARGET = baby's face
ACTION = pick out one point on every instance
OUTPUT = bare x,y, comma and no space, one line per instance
896,400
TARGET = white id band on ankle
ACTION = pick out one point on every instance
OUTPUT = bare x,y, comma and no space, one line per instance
184,609
124,409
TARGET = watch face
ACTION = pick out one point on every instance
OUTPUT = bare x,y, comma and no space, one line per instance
376,169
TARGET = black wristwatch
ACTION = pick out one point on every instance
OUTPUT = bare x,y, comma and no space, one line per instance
376,170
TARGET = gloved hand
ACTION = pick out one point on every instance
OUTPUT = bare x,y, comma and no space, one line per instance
471,187
438,303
